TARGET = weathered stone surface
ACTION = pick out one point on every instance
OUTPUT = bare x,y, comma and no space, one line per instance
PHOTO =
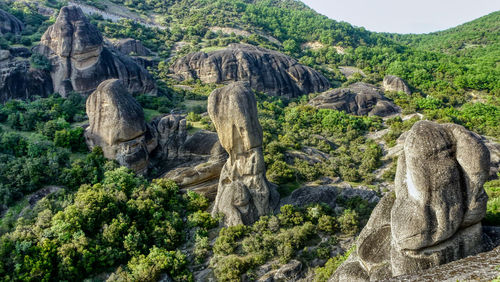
243,193
394,83
9,23
117,125
289,271
202,174
4,55
80,62
435,217
19,81
326,194
265,70
359,99
130,46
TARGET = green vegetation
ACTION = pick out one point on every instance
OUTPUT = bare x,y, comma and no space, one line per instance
335,134
493,209
241,249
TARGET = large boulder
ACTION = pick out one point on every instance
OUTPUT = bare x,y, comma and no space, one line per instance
394,83
9,23
359,99
265,70
130,46
19,81
436,212
117,125
80,61
244,193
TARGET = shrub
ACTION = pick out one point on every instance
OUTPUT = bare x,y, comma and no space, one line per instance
40,62
348,221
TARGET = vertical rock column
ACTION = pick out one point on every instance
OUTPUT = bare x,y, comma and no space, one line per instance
243,193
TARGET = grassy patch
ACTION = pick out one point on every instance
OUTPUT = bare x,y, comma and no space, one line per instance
493,208
150,114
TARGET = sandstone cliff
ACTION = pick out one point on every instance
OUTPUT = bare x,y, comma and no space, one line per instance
265,70
359,99
80,61
244,194
435,215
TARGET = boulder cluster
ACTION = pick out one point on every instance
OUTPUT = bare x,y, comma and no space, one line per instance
265,70
436,212
244,194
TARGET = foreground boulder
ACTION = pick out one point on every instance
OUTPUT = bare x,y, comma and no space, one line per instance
9,23
265,70
435,215
80,61
117,125
243,194
394,83
359,99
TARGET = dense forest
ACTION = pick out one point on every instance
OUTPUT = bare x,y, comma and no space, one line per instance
103,222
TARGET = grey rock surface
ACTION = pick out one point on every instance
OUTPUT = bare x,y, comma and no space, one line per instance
9,23
117,125
244,193
80,61
359,99
394,83
265,70
130,46
435,215
19,81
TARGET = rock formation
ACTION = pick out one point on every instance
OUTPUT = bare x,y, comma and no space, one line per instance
359,99
267,71
130,46
80,61
200,173
9,23
435,216
243,194
19,81
394,83
117,125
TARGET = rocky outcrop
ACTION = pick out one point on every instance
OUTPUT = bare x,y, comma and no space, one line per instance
9,23
244,193
359,99
265,70
117,125
394,83
19,81
436,212
206,159
80,61
131,46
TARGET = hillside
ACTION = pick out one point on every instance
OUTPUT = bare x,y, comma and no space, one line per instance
246,140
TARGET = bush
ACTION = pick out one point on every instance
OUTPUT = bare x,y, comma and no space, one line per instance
348,222
72,139
40,62
323,274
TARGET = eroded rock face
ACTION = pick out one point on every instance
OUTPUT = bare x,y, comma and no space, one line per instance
359,99
436,212
394,83
243,193
80,61
117,125
131,46
19,81
9,23
265,70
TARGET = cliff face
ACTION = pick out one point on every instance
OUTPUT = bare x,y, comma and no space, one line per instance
265,70
80,61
